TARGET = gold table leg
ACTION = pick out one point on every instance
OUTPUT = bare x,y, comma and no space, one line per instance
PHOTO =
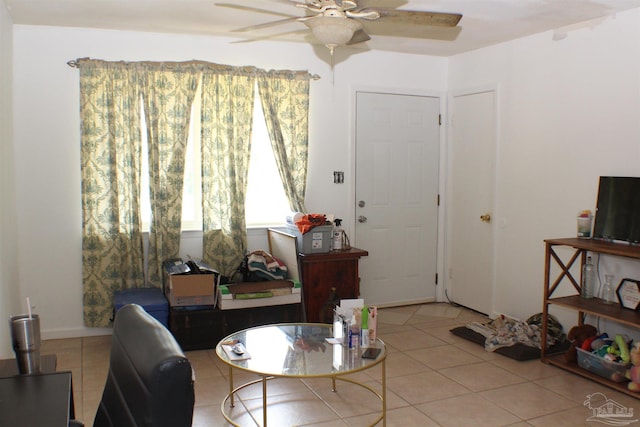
264,401
231,393
384,392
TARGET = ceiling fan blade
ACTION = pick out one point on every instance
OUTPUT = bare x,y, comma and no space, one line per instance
399,29
359,36
274,36
381,4
414,17
253,9
288,1
269,24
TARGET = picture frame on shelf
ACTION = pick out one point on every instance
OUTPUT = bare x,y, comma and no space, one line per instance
628,292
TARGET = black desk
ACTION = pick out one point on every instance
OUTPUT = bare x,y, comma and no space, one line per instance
9,367
43,400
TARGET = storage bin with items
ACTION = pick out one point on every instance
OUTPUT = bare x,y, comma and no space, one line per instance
598,353
592,362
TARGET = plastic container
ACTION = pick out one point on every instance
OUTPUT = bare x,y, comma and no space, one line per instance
584,224
613,371
151,299
315,241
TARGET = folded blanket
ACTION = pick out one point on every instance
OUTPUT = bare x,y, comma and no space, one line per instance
265,266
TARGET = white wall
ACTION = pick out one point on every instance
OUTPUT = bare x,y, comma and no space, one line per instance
46,128
8,237
569,111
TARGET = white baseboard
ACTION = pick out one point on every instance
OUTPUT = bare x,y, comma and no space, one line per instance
57,334
404,303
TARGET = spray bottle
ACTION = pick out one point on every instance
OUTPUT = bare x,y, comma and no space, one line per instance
336,236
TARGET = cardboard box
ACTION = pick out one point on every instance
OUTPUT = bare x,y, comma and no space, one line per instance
197,301
284,246
184,289
259,294
191,285
315,241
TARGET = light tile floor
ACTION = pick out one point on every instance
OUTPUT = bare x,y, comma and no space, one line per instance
433,379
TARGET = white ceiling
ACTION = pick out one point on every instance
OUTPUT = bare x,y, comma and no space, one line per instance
484,22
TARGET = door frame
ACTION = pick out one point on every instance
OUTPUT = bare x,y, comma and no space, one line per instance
442,170
500,221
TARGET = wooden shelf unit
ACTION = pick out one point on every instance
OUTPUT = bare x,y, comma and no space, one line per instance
594,306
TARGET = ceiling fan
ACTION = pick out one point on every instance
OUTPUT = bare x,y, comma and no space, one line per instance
336,23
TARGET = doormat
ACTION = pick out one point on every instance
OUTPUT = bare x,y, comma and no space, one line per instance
517,351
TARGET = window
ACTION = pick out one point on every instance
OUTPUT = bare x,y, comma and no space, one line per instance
192,190
266,203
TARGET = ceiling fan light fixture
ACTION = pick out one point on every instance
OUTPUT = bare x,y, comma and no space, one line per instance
333,31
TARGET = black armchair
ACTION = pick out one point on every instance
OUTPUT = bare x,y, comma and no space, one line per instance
150,381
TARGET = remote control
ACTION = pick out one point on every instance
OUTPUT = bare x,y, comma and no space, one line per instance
238,348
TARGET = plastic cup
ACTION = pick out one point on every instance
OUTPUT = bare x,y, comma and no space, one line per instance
584,227
25,336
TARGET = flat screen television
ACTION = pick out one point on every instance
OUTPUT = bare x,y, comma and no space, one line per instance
618,210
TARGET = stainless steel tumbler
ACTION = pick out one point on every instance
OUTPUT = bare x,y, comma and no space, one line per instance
25,336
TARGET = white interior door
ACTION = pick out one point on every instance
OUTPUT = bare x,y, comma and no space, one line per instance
397,158
471,195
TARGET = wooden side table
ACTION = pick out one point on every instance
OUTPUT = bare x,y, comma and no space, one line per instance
321,272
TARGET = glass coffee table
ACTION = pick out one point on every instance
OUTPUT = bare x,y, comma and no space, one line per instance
296,350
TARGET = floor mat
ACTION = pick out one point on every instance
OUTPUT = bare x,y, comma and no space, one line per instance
516,351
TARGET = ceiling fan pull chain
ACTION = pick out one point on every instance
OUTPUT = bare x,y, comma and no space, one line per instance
332,49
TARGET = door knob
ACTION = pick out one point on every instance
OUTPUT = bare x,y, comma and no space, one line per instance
486,217
362,218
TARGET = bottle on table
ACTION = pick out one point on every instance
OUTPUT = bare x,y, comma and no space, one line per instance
364,329
354,334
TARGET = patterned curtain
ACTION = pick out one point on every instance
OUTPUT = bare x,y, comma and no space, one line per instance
110,96
227,116
285,101
110,155
168,91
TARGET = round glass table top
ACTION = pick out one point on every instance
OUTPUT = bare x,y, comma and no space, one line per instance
295,350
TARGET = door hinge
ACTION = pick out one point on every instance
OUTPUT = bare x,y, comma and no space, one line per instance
438,201
440,119
436,278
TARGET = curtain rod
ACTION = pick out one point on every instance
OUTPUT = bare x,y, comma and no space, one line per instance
74,64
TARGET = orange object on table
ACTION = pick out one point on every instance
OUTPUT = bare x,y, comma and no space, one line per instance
309,221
